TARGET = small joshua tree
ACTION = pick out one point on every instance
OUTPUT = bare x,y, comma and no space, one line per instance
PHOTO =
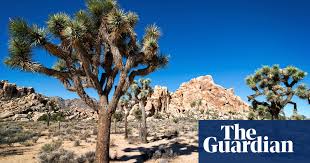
142,90
96,48
278,86
126,102
117,117
50,107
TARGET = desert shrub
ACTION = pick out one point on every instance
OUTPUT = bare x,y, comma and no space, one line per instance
76,143
170,134
56,156
53,153
88,157
69,131
27,143
70,137
58,133
158,116
35,139
51,146
175,120
84,136
12,133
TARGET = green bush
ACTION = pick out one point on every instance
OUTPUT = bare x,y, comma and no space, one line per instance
59,116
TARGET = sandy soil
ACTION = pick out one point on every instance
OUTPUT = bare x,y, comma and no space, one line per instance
123,150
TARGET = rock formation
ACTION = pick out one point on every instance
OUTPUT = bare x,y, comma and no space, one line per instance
24,104
9,90
159,101
200,98
198,95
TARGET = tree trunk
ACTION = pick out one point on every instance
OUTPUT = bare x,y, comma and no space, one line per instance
48,120
276,117
143,126
126,126
103,137
115,125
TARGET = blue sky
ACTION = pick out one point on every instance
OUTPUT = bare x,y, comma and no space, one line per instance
226,39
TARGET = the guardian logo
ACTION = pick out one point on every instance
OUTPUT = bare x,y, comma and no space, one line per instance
245,141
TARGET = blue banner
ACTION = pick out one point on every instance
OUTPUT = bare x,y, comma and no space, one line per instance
239,141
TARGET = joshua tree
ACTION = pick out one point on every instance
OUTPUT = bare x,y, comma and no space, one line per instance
51,106
278,86
117,117
261,113
96,48
142,90
126,102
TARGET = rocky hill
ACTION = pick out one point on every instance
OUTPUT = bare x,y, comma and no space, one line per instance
200,98
24,104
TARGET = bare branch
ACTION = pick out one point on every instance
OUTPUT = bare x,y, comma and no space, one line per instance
81,92
294,104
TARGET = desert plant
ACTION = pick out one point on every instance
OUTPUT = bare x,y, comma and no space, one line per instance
278,86
127,101
158,116
117,117
142,90
51,146
53,113
197,103
88,157
27,143
56,156
97,48
77,143
11,133
125,105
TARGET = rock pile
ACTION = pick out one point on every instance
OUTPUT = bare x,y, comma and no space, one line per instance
9,90
24,104
200,98
197,97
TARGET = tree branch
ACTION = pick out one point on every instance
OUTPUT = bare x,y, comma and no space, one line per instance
81,92
294,104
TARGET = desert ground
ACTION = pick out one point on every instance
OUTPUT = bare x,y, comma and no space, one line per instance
168,141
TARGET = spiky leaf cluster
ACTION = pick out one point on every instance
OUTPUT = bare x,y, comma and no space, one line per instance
141,89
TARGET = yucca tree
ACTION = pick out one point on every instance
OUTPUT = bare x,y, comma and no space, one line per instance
126,105
117,117
275,87
96,48
141,90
